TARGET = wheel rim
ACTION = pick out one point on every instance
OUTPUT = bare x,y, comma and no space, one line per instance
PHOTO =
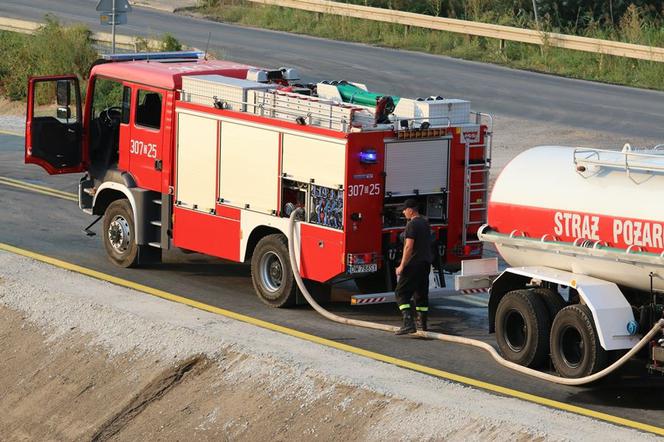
271,271
515,330
118,234
571,347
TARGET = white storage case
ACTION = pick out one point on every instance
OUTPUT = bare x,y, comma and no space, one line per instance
202,89
443,112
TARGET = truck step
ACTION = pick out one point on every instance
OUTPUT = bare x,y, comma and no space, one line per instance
157,201
155,244
156,223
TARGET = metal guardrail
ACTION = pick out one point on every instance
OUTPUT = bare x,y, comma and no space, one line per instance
499,32
29,27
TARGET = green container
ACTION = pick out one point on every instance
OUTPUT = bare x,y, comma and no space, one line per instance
355,95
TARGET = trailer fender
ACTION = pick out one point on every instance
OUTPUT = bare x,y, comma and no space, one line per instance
612,314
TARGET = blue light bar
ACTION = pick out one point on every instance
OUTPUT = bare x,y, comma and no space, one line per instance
177,55
368,156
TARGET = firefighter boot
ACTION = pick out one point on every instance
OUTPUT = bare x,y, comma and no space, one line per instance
421,320
408,323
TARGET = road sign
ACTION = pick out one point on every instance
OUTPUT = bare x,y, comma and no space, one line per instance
106,18
113,12
107,6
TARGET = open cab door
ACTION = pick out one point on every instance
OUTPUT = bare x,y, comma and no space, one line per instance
53,129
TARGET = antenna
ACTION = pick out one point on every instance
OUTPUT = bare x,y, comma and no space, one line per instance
207,45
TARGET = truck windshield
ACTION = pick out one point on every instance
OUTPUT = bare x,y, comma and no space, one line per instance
107,110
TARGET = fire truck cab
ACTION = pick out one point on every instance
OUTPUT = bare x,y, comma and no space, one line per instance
212,156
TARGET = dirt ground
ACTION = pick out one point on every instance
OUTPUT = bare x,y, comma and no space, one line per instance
67,390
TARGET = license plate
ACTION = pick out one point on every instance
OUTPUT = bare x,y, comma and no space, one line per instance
363,268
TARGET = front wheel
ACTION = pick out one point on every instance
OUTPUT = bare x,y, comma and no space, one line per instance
575,348
271,272
119,234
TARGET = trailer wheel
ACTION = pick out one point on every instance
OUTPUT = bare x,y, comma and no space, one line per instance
522,328
271,272
575,348
553,301
119,234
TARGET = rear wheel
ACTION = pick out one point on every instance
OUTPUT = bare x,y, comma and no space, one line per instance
271,272
575,348
553,301
522,328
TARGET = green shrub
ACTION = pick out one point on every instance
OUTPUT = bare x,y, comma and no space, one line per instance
166,43
169,43
52,50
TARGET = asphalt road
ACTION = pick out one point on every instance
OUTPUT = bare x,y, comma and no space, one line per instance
529,96
53,227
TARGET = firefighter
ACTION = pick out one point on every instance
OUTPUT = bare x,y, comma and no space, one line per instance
413,272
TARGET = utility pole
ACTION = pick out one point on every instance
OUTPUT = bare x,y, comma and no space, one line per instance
534,9
113,27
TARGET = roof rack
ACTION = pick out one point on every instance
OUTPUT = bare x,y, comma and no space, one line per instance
177,55
629,159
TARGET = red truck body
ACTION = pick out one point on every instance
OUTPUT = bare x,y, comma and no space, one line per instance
218,176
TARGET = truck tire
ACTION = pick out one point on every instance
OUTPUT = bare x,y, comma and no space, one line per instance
522,328
553,301
271,272
575,348
119,234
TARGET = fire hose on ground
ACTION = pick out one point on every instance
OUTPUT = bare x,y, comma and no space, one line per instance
458,339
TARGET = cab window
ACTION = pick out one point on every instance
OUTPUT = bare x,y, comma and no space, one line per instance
148,109
109,107
46,101
107,98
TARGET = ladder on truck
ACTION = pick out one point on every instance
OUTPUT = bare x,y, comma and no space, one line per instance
476,183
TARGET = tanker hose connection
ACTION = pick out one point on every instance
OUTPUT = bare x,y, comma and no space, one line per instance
659,326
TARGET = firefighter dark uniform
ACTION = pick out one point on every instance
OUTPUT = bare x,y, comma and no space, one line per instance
412,289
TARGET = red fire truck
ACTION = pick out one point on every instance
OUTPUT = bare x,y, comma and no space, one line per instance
212,156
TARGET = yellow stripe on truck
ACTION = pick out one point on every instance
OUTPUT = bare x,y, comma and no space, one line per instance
343,347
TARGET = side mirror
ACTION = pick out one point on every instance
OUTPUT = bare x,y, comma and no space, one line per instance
64,113
63,92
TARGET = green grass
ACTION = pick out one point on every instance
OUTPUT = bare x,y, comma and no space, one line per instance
576,64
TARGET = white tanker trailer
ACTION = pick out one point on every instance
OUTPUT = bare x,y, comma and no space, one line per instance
583,230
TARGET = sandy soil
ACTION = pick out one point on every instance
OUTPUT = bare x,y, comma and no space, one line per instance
86,360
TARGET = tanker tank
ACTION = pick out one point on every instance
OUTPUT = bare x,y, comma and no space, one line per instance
586,211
